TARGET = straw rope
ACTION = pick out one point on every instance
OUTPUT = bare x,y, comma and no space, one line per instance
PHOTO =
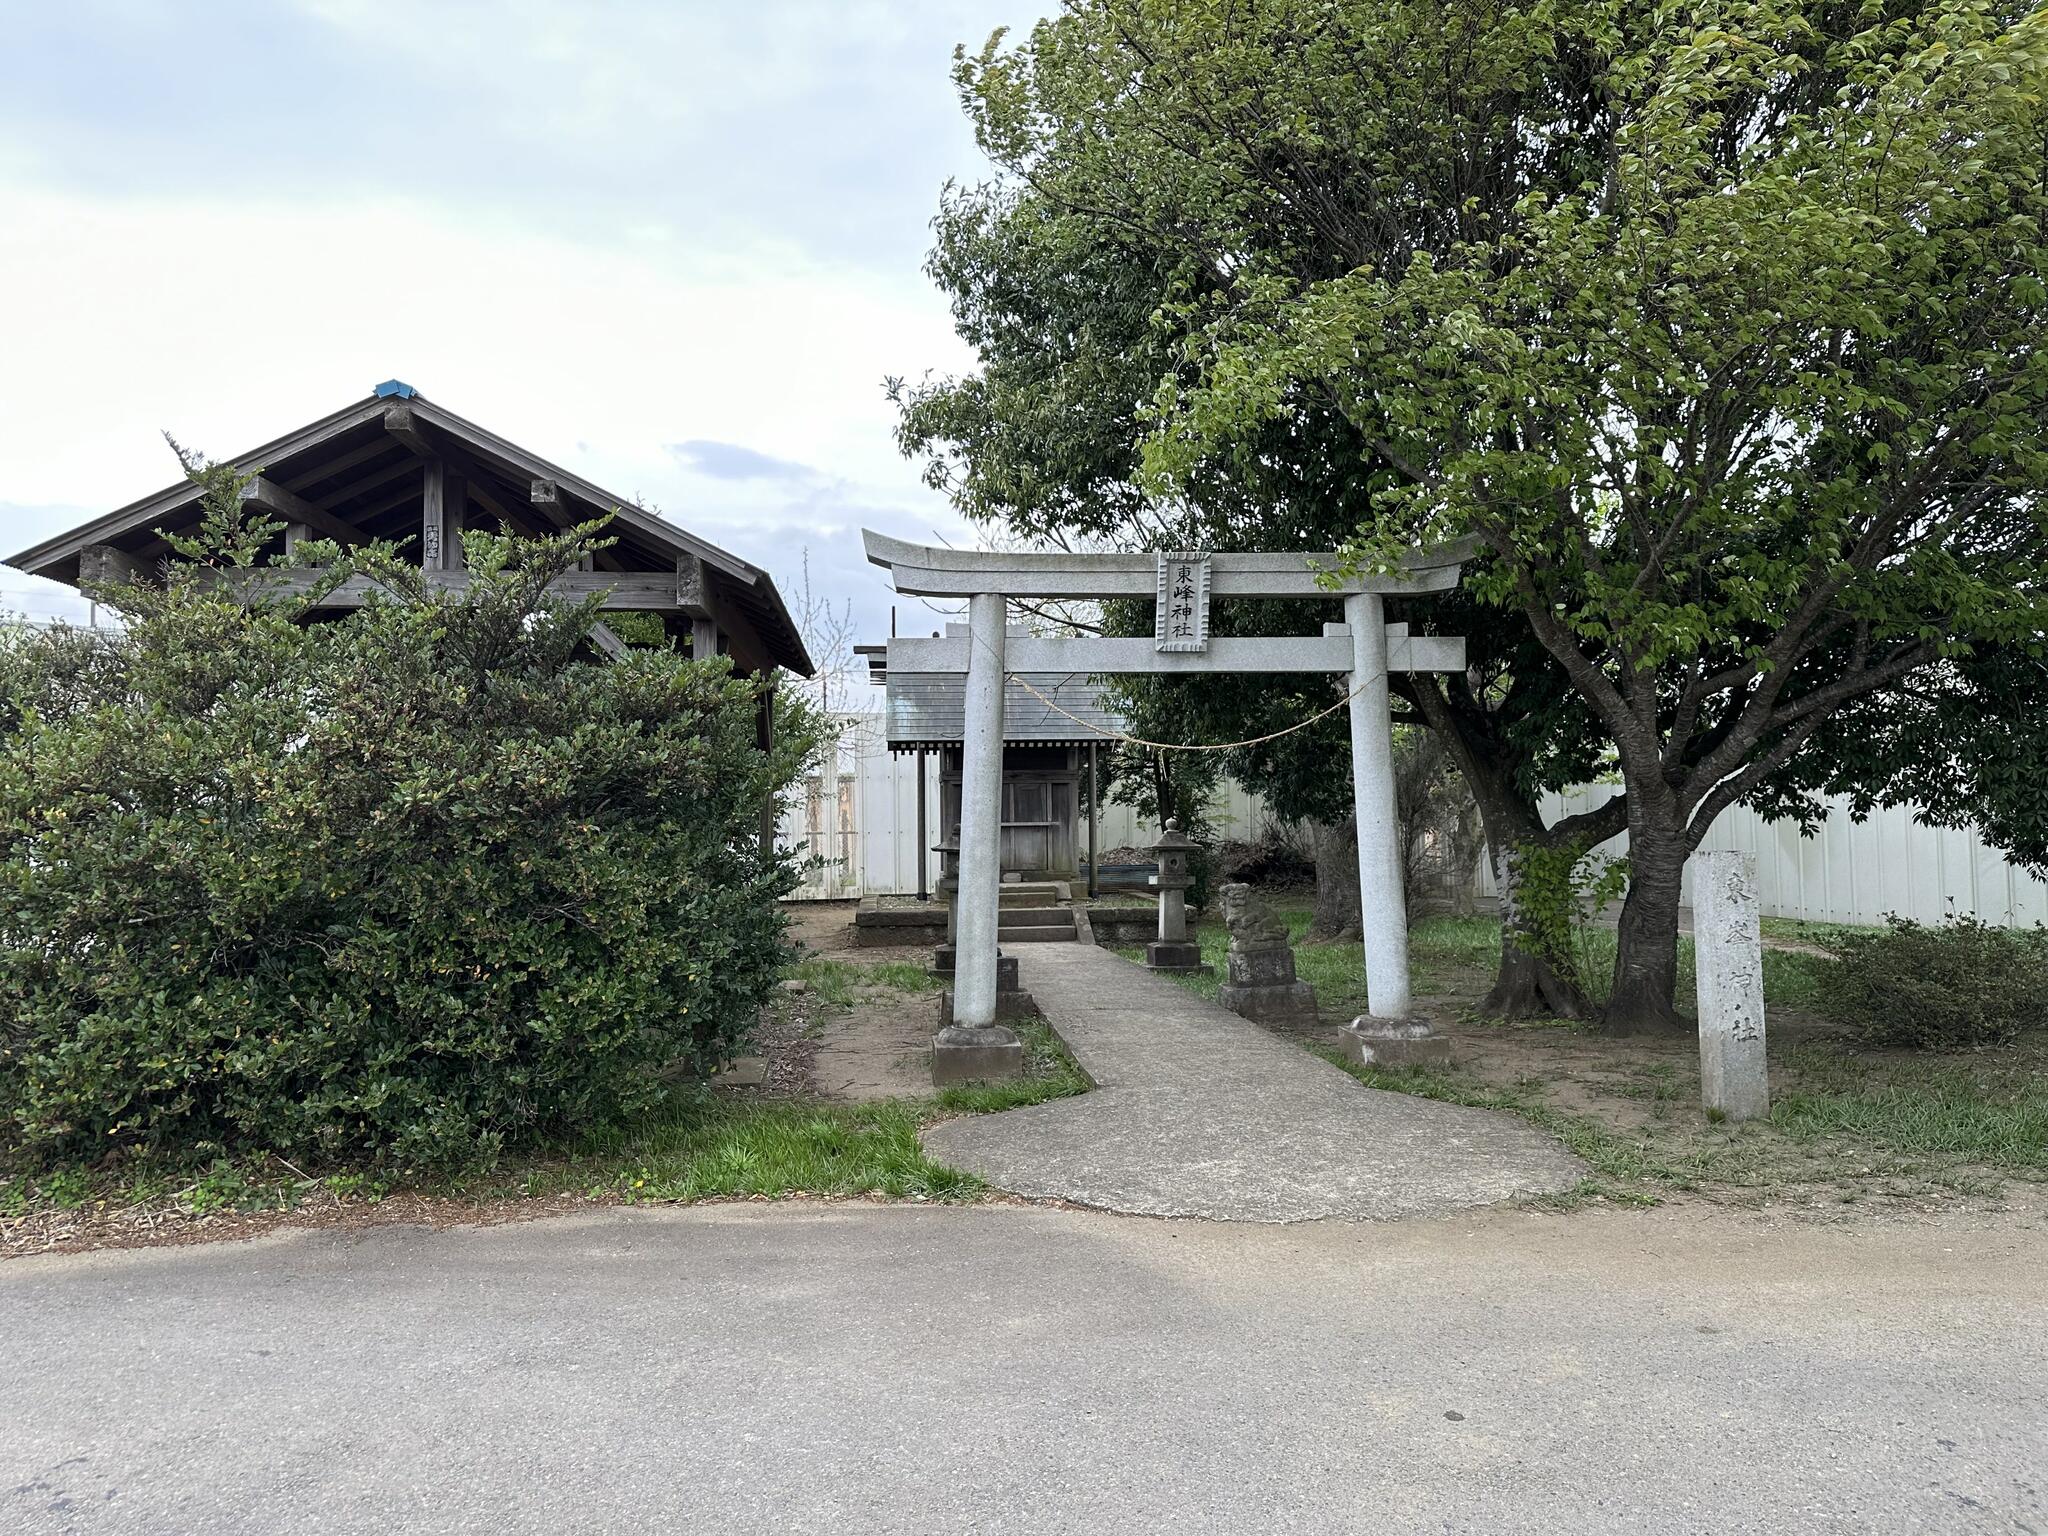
1178,746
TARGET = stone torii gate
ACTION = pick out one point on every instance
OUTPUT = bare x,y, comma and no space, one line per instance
973,1043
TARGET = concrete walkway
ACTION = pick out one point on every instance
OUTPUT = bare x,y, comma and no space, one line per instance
1199,1113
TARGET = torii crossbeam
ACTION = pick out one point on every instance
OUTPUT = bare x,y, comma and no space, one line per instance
1364,646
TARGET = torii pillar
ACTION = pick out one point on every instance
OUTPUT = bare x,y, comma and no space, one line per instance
971,1043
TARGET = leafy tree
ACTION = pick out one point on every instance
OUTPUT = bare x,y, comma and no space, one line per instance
1069,316
1718,324
410,886
1960,742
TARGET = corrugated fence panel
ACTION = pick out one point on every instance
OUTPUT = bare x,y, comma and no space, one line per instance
1848,872
1854,872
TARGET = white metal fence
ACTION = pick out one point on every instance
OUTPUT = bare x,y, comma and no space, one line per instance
863,840
1848,872
1854,872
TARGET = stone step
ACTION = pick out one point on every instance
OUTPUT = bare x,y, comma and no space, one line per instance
1039,935
1029,895
1036,917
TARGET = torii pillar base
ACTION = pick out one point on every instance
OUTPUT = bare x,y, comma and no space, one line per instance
974,1053
1393,1043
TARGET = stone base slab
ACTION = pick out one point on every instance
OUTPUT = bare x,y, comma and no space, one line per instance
1375,1042
1289,1005
1180,956
1268,965
968,1053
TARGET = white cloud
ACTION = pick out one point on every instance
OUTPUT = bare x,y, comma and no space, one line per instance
231,325
601,231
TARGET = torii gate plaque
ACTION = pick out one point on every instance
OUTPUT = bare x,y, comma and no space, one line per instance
973,1043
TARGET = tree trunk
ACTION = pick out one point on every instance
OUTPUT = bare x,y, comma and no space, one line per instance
1337,902
1529,984
1646,946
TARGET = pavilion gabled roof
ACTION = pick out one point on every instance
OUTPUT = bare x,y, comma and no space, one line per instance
356,470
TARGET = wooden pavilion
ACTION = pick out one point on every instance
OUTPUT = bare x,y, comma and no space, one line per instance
395,465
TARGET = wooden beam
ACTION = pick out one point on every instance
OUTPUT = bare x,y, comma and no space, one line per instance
349,460
502,512
1090,655
606,639
400,422
396,499
691,589
548,499
102,565
627,592
390,472
292,507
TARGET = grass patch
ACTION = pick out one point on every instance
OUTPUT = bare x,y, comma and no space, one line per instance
843,984
1992,1112
700,1145
713,1148
1050,1072
833,980
1799,930
1844,1123
1448,953
903,976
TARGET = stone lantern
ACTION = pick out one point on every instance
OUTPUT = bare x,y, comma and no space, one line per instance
1173,950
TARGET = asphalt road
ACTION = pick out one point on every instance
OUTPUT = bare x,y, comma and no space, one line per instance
856,1369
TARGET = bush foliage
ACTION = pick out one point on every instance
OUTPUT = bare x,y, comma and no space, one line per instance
409,887
1963,983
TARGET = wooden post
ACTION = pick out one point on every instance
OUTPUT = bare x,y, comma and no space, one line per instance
923,853
454,519
433,490
764,734
1094,889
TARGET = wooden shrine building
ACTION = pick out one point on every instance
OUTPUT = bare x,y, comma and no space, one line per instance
1049,752
395,465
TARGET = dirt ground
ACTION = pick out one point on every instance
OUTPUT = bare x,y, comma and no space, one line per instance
878,1047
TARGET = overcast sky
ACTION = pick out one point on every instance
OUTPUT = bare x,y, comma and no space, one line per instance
673,245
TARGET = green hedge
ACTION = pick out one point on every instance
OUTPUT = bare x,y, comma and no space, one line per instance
1961,984
411,887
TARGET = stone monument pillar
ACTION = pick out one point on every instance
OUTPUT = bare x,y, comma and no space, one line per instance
1173,950
1261,984
1729,954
